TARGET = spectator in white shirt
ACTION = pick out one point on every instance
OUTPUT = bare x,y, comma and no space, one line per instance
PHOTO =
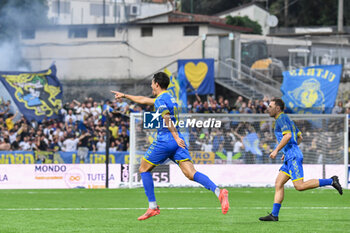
101,145
70,116
70,144
238,147
12,136
82,112
96,109
25,144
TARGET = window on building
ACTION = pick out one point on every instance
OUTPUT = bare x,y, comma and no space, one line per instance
28,34
97,10
116,11
61,7
105,32
77,33
146,31
191,31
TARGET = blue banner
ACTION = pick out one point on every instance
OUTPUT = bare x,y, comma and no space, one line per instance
177,91
251,144
32,157
311,89
199,75
37,94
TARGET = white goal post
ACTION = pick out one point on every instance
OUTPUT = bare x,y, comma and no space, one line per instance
236,153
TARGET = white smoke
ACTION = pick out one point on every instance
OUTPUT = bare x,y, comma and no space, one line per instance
11,58
15,16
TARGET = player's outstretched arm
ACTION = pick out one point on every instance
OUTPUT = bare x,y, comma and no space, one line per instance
134,98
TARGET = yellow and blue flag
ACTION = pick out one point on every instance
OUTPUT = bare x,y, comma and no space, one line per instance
38,95
311,89
177,90
199,74
251,144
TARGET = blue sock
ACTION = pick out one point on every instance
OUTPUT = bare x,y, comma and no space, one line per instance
205,181
324,182
276,209
148,185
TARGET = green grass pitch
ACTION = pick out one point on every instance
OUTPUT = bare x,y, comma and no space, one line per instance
182,210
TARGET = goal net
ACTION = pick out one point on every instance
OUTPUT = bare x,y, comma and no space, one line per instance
233,149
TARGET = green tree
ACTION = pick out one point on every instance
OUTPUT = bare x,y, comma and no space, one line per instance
309,13
210,7
244,22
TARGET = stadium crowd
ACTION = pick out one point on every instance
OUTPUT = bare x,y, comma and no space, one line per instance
82,125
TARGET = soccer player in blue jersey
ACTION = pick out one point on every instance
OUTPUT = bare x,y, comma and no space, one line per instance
169,144
289,137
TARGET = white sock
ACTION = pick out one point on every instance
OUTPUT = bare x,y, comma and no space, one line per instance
217,192
152,205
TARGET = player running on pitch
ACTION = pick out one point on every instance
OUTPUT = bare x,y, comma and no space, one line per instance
169,144
289,137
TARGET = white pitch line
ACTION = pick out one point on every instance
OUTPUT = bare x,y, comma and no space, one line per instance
175,208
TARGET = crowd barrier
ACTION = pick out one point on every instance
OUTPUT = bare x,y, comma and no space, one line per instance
61,157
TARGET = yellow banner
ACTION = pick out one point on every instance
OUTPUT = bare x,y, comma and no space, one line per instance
201,157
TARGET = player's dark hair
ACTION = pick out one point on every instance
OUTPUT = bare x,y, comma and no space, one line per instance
279,102
162,79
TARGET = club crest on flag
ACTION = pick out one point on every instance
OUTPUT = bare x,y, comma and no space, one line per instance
37,95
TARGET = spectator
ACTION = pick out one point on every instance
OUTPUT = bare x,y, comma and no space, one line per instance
9,121
238,149
261,108
124,139
347,105
206,146
70,116
112,147
12,135
205,108
83,146
121,105
41,143
101,145
70,144
338,109
239,102
119,146
15,145
3,109
25,145
114,130
96,110
5,144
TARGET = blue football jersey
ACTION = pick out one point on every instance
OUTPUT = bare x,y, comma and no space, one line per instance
164,104
285,125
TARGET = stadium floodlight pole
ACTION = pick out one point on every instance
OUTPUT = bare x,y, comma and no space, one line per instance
107,147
